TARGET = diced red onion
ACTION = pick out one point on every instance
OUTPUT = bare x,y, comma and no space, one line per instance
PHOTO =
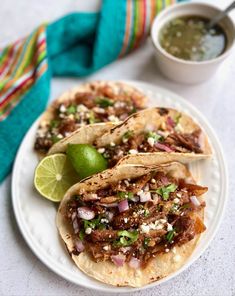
112,205
145,196
75,226
125,249
85,213
170,122
164,180
118,259
79,245
134,263
123,206
146,187
163,147
195,201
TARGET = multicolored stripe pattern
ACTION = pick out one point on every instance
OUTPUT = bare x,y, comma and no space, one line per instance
21,64
25,61
139,17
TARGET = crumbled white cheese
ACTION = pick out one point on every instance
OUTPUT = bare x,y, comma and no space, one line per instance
101,150
59,136
125,220
178,194
71,116
88,230
174,250
62,108
119,104
169,227
151,141
112,144
98,110
104,220
167,250
133,151
153,181
144,228
81,108
124,140
176,200
113,118
106,248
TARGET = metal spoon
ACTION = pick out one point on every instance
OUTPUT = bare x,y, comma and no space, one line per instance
220,15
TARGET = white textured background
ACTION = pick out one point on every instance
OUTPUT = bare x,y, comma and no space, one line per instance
21,273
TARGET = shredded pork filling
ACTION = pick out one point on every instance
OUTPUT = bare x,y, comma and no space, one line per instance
101,105
135,220
162,140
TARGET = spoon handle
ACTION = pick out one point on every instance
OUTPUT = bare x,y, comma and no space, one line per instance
221,15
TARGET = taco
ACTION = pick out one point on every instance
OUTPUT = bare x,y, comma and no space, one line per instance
90,103
149,137
132,225
153,136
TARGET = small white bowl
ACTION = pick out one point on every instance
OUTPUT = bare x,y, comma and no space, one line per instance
189,71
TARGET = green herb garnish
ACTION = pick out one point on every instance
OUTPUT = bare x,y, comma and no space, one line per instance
146,212
91,223
128,195
91,117
55,139
104,102
166,190
54,123
127,135
71,109
126,238
81,234
170,235
177,118
155,136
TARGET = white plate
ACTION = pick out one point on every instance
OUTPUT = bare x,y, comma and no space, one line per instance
36,216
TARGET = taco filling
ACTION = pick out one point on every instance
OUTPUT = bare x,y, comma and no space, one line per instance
134,220
169,137
100,105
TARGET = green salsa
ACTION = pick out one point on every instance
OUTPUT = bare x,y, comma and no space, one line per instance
188,38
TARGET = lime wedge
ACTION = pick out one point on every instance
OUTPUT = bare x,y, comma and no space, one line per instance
53,176
86,160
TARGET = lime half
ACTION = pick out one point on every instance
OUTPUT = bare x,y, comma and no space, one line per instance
86,159
53,176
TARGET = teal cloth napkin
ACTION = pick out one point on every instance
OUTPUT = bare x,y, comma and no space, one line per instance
75,45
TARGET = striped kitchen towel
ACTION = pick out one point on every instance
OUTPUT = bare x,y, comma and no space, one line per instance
75,45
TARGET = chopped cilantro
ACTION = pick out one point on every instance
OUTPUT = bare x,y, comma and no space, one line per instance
155,136
71,109
104,102
92,117
146,242
170,235
133,110
55,139
123,194
177,118
81,234
54,123
127,135
166,190
146,212
91,223
126,238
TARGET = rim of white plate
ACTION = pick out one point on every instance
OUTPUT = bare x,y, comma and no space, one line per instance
180,103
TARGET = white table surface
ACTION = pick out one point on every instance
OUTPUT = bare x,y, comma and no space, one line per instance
21,273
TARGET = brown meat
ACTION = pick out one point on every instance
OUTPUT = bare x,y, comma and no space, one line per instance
103,235
67,126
